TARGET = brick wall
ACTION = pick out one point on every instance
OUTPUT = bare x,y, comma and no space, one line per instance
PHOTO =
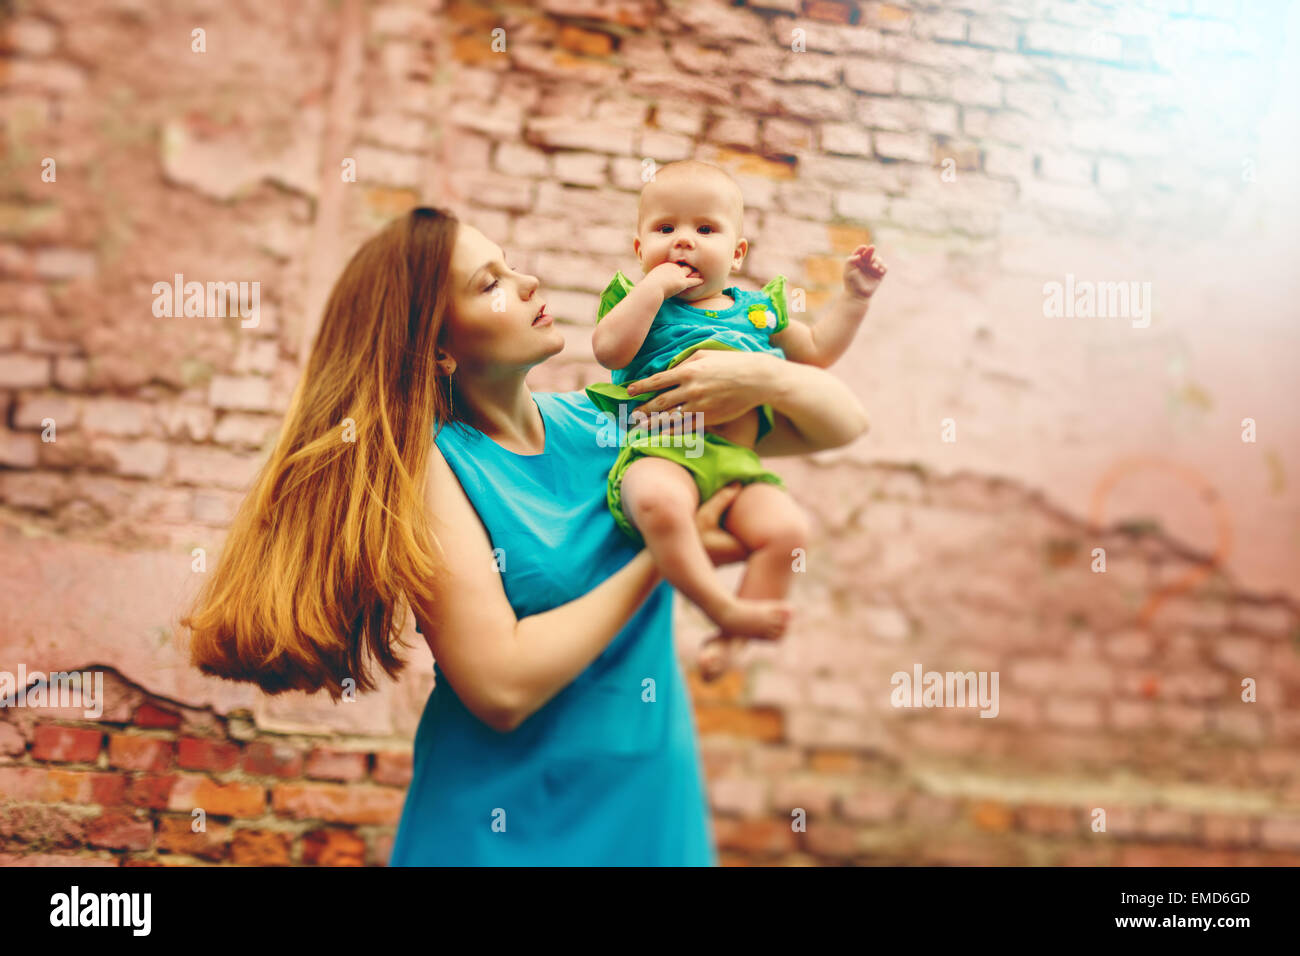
985,147
123,789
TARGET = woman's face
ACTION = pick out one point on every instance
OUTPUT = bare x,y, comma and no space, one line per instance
497,321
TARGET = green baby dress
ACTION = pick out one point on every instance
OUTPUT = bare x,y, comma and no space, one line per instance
677,332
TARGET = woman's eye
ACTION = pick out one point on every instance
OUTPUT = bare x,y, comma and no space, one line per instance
492,285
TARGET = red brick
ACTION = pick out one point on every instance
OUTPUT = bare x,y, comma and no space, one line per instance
67,744
992,815
830,11
200,753
268,759
1087,856
24,371
333,848
217,799
151,715
1052,820
36,823
105,789
1163,856
834,840
261,848
54,859
1281,833
21,784
176,835
380,850
870,805
760,723
1161,823
931,809
1121,821
811,794
1076,712
12,741
119,830
587,42
1220,830
338,804
150,790
829,760
131,752
755,836
341,765
967,852
392,767
719,760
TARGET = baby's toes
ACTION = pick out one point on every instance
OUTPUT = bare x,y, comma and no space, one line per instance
780,624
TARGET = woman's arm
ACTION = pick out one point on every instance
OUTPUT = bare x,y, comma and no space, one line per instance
815,410
504,668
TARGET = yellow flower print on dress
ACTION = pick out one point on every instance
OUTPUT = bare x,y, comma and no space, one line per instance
762,317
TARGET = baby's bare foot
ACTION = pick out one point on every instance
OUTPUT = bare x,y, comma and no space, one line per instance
765,620
715,657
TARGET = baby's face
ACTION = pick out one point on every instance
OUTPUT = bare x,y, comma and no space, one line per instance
693,220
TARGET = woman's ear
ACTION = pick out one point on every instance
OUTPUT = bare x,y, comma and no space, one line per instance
446,363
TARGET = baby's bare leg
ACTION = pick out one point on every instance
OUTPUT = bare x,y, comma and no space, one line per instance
660,498
771,525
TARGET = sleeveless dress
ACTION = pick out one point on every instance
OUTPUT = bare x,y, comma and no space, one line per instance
608,772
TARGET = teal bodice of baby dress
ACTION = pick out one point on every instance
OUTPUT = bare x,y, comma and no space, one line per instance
680,329
606,773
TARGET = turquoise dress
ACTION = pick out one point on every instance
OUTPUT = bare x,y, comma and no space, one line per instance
608,772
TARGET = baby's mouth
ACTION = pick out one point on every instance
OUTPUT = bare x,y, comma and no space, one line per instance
694,271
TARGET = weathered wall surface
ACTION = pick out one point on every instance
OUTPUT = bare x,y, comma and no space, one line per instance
986,146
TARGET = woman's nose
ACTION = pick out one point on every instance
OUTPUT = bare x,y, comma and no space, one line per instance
528,285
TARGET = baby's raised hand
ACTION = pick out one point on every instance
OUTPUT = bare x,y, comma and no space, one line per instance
672,278
863,272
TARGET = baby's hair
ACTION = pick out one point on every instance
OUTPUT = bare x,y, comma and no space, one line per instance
693,167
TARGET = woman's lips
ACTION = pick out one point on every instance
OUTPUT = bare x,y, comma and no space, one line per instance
543,318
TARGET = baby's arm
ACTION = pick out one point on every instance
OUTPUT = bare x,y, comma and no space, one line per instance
822,343
619,334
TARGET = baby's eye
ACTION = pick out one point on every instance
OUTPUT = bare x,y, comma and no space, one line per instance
665,228
705,229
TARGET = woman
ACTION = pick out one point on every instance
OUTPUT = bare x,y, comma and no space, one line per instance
559,731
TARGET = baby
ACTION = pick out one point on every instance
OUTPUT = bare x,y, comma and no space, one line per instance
689,242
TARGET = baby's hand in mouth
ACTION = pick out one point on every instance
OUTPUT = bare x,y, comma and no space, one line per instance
674,277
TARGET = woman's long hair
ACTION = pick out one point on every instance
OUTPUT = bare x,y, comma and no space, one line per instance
334,534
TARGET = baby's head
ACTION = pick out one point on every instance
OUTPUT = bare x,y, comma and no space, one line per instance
692,212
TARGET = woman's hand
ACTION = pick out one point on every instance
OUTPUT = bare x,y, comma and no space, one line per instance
718,385
723,547
814,409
